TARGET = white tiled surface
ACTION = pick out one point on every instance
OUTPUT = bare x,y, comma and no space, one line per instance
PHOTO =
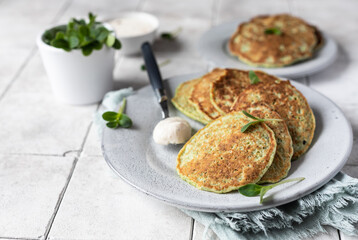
44,143
29,192
105,207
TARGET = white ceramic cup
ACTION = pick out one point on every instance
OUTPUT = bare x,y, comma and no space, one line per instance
77,79
132,44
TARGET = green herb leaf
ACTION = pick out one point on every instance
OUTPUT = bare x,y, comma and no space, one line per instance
60,43
117,44
250,116
60,35
110,40
252,190
112,124
246,126
254,79
73,41
118,119
257,120
171,35
121,109
70,25
125,121
110,116
103,35
162,64
78,34
166,35
273,30
87,50
83,30
92,18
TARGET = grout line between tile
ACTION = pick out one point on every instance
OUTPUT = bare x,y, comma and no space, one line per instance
191,231
15,238
60,198
32,52
32,154
62,194
18,72
62,10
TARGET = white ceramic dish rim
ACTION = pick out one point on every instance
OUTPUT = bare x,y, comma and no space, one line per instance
300,69
211,208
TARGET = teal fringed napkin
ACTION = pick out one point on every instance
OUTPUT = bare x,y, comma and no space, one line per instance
335,204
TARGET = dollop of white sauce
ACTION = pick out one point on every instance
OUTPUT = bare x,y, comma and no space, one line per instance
173,130
131,26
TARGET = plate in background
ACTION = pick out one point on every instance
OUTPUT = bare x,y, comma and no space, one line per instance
213,47
150,167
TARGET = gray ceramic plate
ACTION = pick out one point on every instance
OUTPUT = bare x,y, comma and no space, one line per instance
149,167
213,47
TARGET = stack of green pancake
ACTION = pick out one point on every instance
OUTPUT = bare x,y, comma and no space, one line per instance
275,41
220,157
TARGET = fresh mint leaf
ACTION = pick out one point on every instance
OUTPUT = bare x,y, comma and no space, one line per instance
256,121
117,44
87,50
73,42
112,124
110,116
83,30
274,30
102,35
60,35
110,40
92,18
60,43
171,35
118,119
125,121
249,115
252,190
162,64
70,25
78,34
254,79
246,126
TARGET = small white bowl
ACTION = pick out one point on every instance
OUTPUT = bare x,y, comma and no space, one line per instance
133,29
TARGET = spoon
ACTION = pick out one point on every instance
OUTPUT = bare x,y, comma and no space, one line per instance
171,130
155,78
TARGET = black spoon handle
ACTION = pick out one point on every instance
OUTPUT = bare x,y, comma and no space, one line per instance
155,78
154,75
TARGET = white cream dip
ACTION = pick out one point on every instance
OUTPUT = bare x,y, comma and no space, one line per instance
130,26
173,130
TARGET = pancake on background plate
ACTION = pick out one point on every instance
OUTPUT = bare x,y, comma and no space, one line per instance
289,103
274,41
220,158
224,90
281,163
